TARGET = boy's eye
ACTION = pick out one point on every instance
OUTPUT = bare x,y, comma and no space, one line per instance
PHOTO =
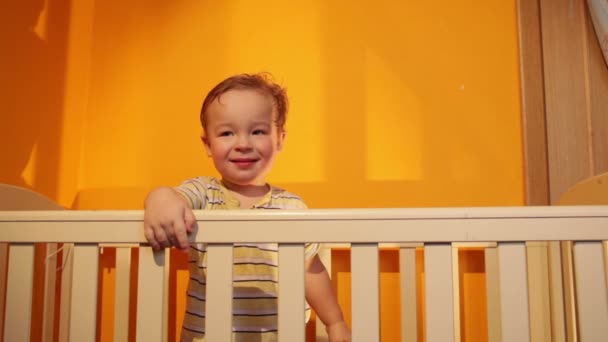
225,134
259,132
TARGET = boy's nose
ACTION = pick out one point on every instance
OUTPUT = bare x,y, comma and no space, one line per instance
243,143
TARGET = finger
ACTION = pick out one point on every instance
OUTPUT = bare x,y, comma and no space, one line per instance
149,233
162,236
190,220
181,238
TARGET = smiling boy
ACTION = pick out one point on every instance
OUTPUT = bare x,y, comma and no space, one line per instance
243,120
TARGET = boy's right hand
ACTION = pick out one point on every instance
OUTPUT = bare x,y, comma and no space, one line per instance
168,219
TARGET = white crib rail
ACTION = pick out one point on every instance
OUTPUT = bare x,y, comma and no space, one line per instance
437,229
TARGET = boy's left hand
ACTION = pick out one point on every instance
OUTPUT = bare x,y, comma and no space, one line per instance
338,332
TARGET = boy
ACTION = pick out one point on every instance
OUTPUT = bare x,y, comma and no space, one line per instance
243,121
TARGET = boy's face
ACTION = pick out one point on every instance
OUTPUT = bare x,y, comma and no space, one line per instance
242,137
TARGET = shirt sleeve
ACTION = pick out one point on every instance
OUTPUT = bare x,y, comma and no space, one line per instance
310,250
194,190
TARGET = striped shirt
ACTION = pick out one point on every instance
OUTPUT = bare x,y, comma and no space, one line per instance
255,268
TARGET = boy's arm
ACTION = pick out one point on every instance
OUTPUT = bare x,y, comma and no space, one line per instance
168,218
320,295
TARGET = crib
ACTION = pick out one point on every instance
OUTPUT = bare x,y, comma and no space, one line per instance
509,236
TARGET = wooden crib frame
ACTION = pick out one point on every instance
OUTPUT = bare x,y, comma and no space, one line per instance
504,232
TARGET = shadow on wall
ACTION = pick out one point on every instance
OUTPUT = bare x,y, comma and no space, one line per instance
32,69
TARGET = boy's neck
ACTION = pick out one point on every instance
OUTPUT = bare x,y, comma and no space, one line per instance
252,191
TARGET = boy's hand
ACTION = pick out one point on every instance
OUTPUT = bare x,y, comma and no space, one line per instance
338,332
168,219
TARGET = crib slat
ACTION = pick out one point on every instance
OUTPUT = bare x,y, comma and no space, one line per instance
19,289
84,293
325,256
121,301
151,295
591,291
538,295
3,275
219,292
291,293
365,280
513,292
407,268
605,245
439,293
493,294
456,292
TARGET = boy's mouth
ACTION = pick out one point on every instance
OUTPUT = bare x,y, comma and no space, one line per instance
243,162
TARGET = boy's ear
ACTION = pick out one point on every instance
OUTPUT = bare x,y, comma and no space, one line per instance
205,141
281,141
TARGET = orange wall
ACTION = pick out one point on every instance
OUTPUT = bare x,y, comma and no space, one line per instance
393,104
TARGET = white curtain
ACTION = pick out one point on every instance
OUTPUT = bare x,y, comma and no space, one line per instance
599,16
